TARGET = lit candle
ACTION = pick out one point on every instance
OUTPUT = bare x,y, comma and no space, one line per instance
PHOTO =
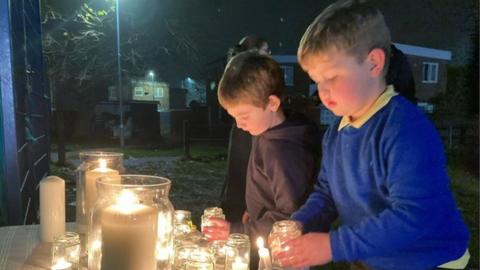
264,254
90,178
129,234
239,264
61,264
90,185
52,208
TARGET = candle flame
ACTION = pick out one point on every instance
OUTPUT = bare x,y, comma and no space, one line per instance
127,202
102,163
260,242
126,197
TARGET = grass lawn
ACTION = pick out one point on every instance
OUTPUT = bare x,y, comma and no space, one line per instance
196,184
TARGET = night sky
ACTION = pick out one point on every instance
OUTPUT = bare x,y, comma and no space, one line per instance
210,27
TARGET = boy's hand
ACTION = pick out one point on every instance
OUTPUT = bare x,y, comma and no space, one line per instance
245,217
219,229
307,250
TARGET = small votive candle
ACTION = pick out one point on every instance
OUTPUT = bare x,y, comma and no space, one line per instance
237,252
239,264
66,251
265,262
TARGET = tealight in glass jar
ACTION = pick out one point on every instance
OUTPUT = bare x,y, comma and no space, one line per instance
183,222
237,252
66,251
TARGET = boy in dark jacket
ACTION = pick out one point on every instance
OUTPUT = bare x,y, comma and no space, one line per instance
284,157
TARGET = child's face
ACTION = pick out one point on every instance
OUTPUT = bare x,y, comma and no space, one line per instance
253,119
344,85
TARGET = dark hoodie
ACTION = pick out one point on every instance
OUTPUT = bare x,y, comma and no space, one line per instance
282,168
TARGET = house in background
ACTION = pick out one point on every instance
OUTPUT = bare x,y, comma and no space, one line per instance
429,68
146,104
144,91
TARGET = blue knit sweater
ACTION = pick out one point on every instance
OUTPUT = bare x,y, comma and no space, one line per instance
387,183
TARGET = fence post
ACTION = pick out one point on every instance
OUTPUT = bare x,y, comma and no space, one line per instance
450,136
186,140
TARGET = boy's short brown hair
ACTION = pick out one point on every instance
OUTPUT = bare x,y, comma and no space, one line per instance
250,77
349,26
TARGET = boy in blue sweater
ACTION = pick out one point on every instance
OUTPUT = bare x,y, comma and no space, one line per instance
383,168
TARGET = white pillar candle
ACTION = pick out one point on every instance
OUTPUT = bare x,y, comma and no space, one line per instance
91,186
129,235
52,208
264,255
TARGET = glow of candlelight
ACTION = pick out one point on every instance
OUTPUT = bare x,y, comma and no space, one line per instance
61,264
260,243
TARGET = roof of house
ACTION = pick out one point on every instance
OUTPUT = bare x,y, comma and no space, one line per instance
424,51
405,48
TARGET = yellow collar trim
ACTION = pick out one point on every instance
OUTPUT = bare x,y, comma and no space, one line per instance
381,101
459,263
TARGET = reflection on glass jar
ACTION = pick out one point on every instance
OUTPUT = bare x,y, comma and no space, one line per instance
199,259
237,252
215,212
182,253
218,250
93,165
132,224
282,231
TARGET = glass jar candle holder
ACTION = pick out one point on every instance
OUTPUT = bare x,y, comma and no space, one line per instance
211,212
93,165
182,253
218,250
199,259
132,224
281,232
183,222
237,252
66,251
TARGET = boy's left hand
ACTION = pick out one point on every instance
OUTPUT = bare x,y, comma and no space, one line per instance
307,250
219,229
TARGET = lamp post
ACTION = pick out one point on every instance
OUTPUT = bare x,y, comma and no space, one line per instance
151,74
119,73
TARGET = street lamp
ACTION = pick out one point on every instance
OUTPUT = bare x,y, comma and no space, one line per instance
151,74
119,73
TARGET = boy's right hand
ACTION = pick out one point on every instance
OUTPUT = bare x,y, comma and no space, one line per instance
219,229
307,250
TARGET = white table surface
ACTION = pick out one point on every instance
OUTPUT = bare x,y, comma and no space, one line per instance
20,248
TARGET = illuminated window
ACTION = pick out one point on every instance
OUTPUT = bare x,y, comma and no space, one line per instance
288,75
139,91
430,72
158,92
